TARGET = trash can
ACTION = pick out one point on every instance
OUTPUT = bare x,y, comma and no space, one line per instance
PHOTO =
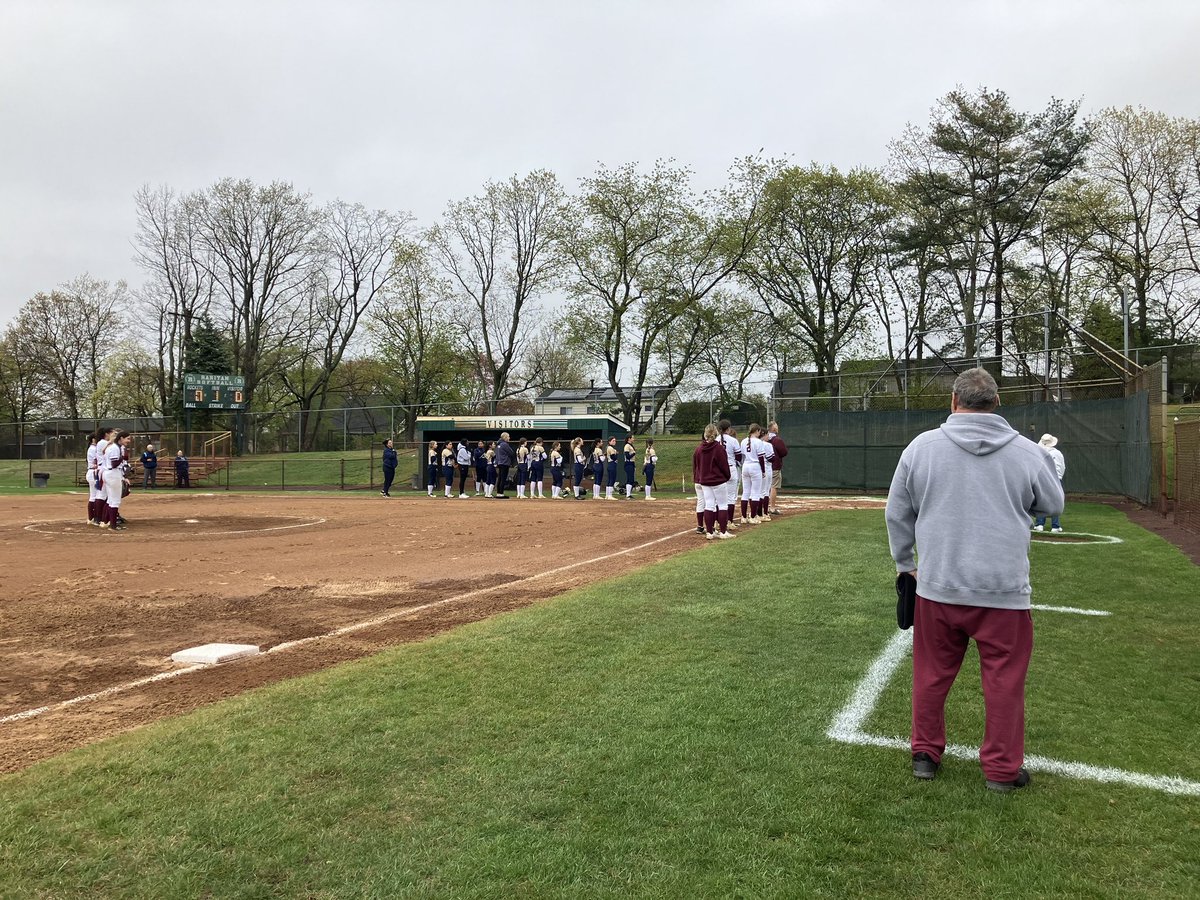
41,479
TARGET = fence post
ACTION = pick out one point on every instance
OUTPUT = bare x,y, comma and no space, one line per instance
29,481
343,462
283,475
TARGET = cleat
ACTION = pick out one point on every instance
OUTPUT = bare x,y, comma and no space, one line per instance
1056,530
726,535
745,521
1039,527
104,525
699,530
710,535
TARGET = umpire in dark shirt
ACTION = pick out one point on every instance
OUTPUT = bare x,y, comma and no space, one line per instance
504,459
389,467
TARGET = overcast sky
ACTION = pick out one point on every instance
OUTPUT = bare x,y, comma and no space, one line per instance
407,105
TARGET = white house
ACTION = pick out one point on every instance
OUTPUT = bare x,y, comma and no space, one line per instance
597,400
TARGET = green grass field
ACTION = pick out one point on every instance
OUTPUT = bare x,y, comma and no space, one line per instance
627,740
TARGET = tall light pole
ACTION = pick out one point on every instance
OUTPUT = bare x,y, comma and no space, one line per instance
1124,292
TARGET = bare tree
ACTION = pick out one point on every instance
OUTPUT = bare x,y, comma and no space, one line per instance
1137,155
416,339
357,250
498,253
180,285
645,256
69,330
260,244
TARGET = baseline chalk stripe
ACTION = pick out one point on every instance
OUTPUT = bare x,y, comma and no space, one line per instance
1071,609
849,722
98,695
847,725
337,632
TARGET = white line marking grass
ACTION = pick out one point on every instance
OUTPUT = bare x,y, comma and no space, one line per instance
1099,539
337,632
847,725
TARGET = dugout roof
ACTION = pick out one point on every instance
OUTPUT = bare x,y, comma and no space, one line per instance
548,428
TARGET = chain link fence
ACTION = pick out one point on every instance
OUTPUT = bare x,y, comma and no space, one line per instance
1187,475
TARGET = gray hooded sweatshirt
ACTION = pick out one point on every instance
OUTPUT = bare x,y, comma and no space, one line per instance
963,494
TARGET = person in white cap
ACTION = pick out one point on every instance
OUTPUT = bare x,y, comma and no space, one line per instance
1049,443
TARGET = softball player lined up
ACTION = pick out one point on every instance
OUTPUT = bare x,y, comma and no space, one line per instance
630,454
432,464
448,468
649,461
556,471
733,452
580,465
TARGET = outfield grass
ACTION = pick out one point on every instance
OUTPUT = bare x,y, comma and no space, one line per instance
627,740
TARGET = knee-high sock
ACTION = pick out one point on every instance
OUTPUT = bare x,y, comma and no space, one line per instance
700,519
745,503
723,518
710,520
732,510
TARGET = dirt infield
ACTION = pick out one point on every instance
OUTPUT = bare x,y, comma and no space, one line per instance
87,612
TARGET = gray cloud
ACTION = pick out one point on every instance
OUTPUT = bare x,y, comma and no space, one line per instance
410,105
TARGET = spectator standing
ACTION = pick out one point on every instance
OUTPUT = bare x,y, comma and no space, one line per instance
781,451
149,467
961,497
1049,443
182,479
389,467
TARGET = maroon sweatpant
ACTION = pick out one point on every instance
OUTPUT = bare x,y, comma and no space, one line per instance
1004,637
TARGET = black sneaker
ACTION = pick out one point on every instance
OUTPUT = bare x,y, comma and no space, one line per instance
1004,787
699,530
924,767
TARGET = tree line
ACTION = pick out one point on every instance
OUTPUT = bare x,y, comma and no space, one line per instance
635,278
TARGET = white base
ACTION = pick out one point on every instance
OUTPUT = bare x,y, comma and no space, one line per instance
211,654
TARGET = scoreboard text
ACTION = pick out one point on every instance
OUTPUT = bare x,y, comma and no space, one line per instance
203,391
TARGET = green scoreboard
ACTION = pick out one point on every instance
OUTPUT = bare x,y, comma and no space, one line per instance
204,391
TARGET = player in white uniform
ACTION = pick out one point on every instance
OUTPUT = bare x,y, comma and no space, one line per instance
112,468
733,452
92,468
105,437
751,475
764,498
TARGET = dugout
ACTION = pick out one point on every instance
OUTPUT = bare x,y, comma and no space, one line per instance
548,428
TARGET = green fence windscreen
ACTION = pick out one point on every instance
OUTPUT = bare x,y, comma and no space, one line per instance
1106,444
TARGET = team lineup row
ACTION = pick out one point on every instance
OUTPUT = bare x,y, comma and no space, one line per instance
499,465
755,463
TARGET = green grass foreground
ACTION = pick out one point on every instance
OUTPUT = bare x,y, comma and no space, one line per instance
630,740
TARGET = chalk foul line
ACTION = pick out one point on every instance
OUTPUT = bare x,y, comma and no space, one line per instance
337,632
847,725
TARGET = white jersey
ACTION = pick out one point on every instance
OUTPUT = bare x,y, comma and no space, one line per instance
92,458
731,452
112,457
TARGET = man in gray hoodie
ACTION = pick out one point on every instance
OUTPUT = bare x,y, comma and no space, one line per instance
963,494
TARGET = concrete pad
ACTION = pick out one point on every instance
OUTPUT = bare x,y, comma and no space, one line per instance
212,654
